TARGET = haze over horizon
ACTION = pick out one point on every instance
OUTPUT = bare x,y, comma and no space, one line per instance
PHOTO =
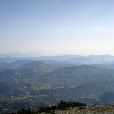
48,27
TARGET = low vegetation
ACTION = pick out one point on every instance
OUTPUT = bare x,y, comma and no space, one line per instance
70,108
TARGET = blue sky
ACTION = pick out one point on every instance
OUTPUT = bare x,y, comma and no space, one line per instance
57,26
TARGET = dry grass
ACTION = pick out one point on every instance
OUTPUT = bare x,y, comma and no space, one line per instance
97,109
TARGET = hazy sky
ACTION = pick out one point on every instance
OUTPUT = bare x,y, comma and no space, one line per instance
57,26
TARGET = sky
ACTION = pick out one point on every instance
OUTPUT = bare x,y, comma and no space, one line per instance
57,26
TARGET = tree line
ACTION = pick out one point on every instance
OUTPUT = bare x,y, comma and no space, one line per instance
62,105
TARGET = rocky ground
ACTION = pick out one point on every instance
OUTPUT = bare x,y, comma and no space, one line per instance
96,109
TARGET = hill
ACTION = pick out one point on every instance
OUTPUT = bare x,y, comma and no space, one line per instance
29,82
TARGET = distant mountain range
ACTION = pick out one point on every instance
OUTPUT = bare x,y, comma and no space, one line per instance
32,81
